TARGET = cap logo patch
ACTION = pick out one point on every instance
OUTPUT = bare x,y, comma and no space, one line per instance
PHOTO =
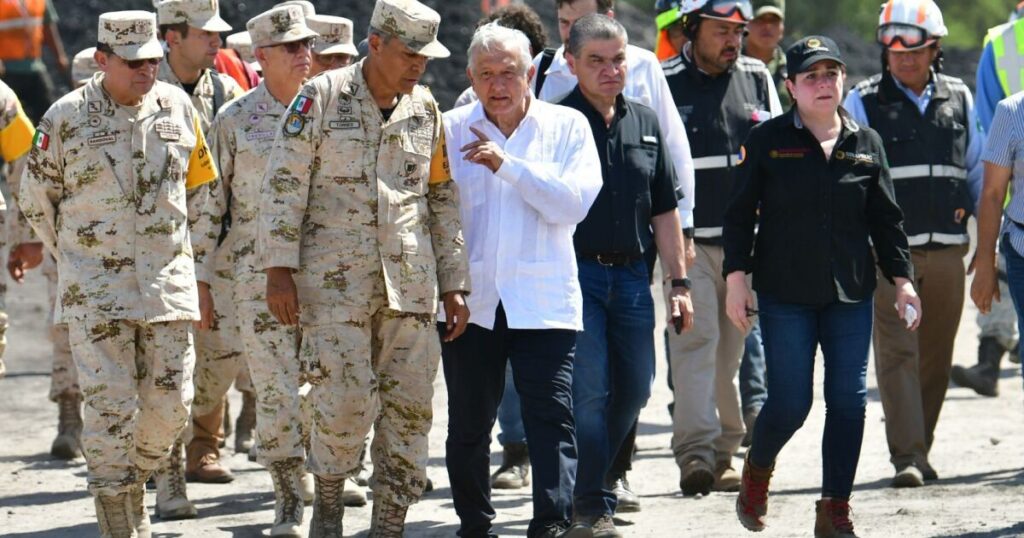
813,43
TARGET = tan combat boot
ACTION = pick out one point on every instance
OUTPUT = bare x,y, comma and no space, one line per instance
114,515
287,497
171,498
203,463
140,516
246,423
833,519
328,508
387,519
307,486
752,502
68,444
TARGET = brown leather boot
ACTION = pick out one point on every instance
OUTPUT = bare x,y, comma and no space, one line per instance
833,519
68,444
752,502
203,457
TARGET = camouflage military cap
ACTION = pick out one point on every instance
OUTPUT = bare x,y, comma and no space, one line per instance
307,7
202,14
84,66
774,7
279,25
241,42
130,34
412,22
335,35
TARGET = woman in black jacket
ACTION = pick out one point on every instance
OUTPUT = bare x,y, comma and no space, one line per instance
818,186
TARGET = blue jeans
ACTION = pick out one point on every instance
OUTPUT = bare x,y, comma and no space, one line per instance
474,371
792,333
1014,280
753,391
612,373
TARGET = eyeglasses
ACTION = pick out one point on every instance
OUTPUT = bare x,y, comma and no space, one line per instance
728,9
295,46
910,37
135,65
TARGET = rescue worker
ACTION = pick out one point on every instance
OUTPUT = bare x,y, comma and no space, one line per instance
191,31
720,95
25,27
334,48
926,120
1000,72
123,161
241,138
359,233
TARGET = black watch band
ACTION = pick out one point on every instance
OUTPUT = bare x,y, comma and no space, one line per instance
682,283
688,233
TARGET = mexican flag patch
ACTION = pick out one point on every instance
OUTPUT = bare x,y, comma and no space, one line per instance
302,104
41,140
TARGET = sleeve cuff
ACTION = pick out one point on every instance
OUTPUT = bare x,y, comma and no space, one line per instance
279,258
510,170
202,274
450,282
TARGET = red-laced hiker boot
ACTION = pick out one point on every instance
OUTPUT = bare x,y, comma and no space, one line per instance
833,519
752,502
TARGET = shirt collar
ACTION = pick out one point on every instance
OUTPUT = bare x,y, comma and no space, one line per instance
590,112
558,63
926,95
478,115
849,124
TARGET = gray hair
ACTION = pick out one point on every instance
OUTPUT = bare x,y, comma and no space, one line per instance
593,26
493,36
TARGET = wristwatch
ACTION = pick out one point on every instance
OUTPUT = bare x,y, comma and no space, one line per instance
685,283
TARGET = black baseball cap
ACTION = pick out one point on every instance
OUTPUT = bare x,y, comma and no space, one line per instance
811,50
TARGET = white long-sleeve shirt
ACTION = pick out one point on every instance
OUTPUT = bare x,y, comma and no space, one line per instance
518,223
645,83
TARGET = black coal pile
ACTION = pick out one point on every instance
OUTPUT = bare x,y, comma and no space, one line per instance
447,78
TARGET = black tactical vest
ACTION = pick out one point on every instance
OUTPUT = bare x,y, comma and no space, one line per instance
718,113
927,156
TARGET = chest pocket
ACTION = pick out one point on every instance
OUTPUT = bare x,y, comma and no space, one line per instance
417,148
640,161
343,142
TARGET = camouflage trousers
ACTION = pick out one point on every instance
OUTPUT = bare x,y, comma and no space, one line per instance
219,351
137,382
1001,322
372,366
272,353
3,285
64,375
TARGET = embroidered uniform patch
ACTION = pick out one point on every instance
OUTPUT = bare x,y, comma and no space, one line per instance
294,124
302,104
168,130
41,140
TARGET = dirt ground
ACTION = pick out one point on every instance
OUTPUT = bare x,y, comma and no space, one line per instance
977,454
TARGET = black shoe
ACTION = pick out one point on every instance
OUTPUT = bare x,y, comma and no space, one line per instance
928,472
556,530
983,377
627,501
697,477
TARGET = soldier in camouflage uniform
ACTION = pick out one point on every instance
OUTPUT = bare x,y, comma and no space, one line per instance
27,253
15,141
124,164
241,138
359,205
334,48
190,28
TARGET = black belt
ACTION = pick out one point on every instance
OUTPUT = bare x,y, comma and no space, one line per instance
612,259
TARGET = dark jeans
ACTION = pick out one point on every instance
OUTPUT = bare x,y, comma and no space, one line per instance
792,334
612,373
1014,280
474,370
753,391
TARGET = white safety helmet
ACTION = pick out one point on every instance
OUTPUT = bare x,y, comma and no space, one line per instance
910,24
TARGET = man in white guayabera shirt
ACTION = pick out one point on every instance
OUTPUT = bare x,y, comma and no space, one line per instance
527,173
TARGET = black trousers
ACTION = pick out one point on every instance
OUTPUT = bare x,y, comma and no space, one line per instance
474,370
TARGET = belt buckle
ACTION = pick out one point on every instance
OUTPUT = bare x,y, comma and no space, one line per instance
602,262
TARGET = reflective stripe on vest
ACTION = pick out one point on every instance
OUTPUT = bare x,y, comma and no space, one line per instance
21,29
941,239
927,171
1008,49
707,233
715,162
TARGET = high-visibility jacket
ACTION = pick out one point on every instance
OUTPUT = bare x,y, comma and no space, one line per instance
1008,49
21,29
